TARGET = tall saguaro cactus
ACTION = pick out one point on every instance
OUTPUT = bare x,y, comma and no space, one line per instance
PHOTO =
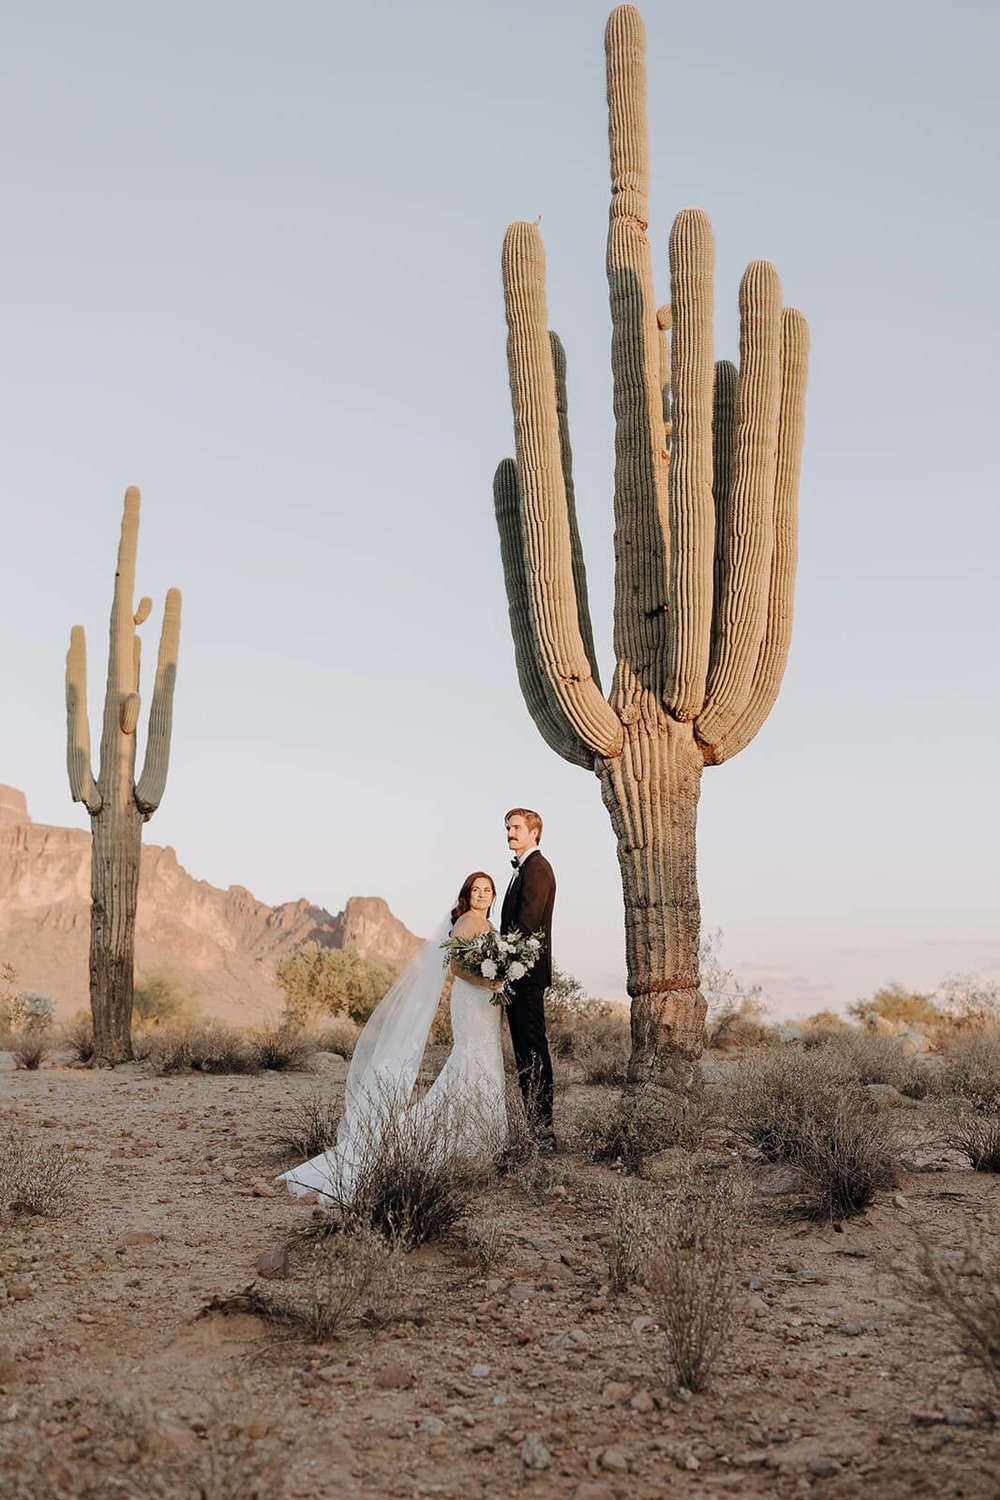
118,805
707,464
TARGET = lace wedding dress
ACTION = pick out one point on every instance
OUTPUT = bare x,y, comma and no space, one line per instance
463,1114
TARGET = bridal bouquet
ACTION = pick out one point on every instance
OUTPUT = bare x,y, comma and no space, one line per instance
501,960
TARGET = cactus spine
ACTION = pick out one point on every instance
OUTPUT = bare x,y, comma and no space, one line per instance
707,465
117,804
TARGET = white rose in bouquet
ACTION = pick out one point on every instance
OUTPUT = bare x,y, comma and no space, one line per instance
516,971
488,969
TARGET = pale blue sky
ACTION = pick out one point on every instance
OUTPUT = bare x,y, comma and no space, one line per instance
250,263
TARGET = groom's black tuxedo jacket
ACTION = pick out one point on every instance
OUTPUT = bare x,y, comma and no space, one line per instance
528,906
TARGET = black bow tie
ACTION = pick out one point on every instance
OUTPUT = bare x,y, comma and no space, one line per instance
516,862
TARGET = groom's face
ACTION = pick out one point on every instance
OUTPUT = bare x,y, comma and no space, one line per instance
520,838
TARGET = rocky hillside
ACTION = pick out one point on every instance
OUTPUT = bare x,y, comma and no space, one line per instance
221,945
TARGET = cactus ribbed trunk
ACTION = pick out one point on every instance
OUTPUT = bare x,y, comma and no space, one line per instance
114,890
117,806
651,793
707,462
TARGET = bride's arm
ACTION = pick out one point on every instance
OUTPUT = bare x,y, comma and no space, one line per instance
466,927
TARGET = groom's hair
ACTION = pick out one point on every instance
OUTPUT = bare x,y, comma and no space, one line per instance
532,819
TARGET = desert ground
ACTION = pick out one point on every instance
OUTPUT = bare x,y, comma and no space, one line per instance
133,1363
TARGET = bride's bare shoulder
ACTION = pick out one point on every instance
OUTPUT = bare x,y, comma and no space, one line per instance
469,924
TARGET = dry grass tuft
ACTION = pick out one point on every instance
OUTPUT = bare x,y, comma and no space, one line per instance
280,1047
959,1288
344,1280
806,1109
29,1048
78,1037
200,1046
632,1237
627,1129
874,1058
338,1034
692,1274
978,1138
309,1127
34,1180
972,1072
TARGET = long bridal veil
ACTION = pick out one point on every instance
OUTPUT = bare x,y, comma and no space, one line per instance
381,1075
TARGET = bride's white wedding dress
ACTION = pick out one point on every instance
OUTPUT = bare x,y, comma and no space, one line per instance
463,1113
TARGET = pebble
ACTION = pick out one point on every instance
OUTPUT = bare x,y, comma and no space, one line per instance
228,1174
643,1324
8,1365
643,1403
520,1292
273,1263
480,1371
20,1291
588,1490
615,1392
393,1377
823,1468
433,1425
262,1189
258,1427
961,1416
534,1454
137,1237
615,1460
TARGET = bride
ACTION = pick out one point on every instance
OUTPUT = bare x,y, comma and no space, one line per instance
464,1111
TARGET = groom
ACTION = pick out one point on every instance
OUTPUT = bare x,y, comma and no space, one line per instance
527,907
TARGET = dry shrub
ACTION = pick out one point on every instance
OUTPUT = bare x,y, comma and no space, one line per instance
309,1127
972,1072
808,1110
355,1276
598,1045
78,1036
692,1273
33,1179
524,1164
632,1238
340,1035
626,1129
959,1287
874,1058
280,1047
29,1048
417,1174
978,1138
201,1046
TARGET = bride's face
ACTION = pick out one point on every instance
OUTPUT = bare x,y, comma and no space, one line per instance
481,896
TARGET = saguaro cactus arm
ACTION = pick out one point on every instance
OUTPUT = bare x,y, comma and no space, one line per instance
545,528
81,776
149,790
640,502
772,656
746,519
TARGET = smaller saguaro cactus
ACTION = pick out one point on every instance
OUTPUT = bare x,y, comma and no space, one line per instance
119,805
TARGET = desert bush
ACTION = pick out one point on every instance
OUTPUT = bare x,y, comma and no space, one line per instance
628,1128
978,1138
280,1048
874,1058
29,1048
969,1004
160,999
897,1005
24,1011
355,1276
200,1046
308,1127
692,1274
596,1043
33,1179
78,1036
632,1238
959,1289
972,1072
808,1110
330,982
416,1178
843,1160
340,1035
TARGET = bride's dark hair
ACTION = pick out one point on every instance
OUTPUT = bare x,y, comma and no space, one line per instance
464,902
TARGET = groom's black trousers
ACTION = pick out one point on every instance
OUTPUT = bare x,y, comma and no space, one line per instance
526,1019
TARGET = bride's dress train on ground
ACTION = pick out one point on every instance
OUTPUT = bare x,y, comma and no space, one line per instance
462,1115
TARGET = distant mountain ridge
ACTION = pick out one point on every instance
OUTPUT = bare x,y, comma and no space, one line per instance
223,945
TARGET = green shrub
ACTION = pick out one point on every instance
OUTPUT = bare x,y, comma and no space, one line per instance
330,982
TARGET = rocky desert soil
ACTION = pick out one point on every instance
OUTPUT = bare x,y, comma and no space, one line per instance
527,1376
